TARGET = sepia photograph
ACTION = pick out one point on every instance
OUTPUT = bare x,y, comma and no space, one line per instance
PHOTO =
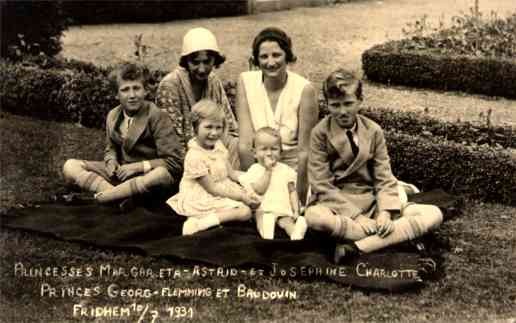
258,161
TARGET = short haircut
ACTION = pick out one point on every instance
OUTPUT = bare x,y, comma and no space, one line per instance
218,58
277,35
338,84
206,109
269,131
129,72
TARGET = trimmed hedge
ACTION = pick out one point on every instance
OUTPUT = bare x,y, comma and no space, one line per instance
46,62
70,90
85,95
417,123
96,12
390,64
31,91
56,94
61,90
479,172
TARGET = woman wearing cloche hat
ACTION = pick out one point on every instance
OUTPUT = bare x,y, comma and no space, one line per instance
194,80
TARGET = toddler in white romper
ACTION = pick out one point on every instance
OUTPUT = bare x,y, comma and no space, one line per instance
275,182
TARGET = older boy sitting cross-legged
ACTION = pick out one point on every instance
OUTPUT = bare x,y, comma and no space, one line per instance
354,193
142,150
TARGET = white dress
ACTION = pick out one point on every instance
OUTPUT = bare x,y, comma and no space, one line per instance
276,198
285,117
193,199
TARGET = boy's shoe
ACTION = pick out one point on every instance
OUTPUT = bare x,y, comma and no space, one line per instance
419,245
345,251
73,198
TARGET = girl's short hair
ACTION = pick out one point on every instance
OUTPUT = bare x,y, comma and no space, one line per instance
277,35
218,59
269,131
129,72
206,109
339,82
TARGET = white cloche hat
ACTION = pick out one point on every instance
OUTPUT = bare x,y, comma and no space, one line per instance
198,39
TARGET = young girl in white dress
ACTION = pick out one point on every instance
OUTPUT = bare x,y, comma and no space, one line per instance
209,193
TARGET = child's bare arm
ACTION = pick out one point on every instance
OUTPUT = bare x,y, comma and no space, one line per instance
217,189
294,198
233,173
261,185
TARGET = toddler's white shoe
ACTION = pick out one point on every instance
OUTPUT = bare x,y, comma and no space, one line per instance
190,226
299,229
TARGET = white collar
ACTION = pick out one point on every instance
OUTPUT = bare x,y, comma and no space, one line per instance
193,143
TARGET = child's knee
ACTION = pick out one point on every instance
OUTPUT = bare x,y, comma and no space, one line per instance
429,216
164,175
245,213
71,168
427,210
159,176
434,215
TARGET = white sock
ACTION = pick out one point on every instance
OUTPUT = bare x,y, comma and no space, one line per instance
194,225
405,228
299,229
347,229
266,224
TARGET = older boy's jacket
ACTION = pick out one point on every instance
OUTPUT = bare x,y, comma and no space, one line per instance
347,184
151,137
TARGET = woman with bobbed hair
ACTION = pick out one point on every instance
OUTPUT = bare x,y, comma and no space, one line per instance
273,96
193,80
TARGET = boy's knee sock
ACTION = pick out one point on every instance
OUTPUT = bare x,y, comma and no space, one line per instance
137,185
266,224
157,177
405,228
128,188
74,171
347,229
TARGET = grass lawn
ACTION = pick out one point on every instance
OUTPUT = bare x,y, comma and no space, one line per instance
478,281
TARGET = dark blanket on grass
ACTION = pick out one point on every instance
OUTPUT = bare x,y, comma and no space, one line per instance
156,231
